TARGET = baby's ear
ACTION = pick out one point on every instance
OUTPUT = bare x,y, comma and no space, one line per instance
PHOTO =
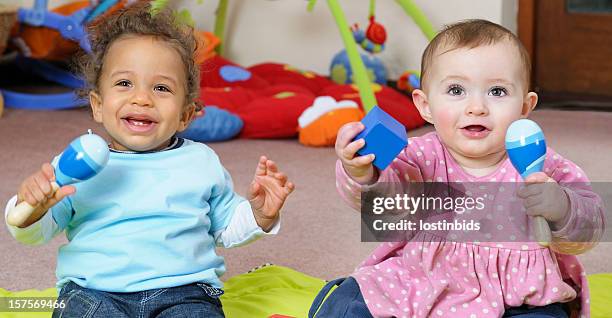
529,103
187,116
422,104
95,101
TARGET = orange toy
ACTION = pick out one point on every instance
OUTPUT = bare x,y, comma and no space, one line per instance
207,43
323,131
48,44
319,124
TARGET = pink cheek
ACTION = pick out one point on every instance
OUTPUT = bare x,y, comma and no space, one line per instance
445,118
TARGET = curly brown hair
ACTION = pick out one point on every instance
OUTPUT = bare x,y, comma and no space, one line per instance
139,19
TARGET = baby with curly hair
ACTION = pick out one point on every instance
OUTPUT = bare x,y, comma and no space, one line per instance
142,233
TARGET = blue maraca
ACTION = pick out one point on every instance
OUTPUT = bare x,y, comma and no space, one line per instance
526,148
85,157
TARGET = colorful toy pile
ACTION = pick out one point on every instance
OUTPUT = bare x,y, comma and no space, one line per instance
261,101
270,99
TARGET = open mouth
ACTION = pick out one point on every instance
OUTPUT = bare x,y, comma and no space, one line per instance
139,123
475,128
475,131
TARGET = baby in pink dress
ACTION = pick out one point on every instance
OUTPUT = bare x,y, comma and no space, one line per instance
475,80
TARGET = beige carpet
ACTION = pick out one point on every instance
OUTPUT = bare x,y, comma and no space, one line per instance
320,235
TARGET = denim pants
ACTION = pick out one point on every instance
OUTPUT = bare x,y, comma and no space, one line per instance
347,301
193,300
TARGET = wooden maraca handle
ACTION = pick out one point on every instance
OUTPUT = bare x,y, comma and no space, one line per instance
541,231
1,104
22,211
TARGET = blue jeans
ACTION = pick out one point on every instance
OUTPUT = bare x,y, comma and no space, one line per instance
193,300
344,301
550,311
347,301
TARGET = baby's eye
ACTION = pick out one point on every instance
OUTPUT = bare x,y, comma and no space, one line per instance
498,92
455,90
162,88
124,83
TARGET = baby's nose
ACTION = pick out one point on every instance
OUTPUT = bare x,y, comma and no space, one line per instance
477,107
142,98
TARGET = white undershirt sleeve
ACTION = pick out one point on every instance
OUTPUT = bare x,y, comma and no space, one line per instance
242,228
37,233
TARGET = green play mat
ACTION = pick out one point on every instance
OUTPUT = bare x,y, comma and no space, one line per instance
281,290
260,293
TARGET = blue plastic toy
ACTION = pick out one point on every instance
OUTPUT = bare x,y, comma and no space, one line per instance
526,148
384,136
72,27
85,157
214,125
342,73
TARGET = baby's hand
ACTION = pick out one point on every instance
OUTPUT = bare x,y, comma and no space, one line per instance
358,168
268,193
38,191
542,196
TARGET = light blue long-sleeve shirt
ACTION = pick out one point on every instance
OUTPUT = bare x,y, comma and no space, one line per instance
147,221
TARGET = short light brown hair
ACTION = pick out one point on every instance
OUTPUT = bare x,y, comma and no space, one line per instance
139,20
471,34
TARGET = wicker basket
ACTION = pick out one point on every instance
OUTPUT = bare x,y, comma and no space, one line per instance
8,17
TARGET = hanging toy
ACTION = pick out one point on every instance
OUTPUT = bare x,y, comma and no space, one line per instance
373,39
409,81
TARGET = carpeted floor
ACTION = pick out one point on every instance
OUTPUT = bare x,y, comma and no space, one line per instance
320,235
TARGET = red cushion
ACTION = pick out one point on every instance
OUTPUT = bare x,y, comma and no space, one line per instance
229,98
276,73
272,117
396,104
210,75
284,88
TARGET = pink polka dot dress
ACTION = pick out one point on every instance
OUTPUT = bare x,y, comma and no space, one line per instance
429,277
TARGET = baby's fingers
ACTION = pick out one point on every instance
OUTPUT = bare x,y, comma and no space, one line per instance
48,171
349,151
347,133
538,177
362,160
60,194
261,166
289,187
44,185
529,190
281,177
26,196
283,192
271,167
35,192
532,201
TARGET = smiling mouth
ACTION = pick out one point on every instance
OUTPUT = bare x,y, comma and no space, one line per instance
139,124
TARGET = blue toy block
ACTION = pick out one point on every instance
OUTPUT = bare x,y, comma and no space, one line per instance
384,136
